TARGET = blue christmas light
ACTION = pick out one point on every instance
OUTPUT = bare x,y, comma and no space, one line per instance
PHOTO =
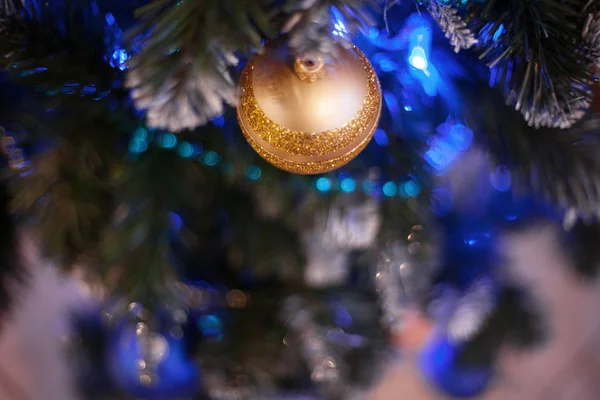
452,140
418,58
389,189
29,72
176,374
339,28
185,150
420,43
101,95
381,137
88,89
211,158
254,172
391,102
373,33
438,363
110,19
218,121
385,62
167,140
501,179
211,326
412,188
498,33
118,59
175,221
348,185
140,133
460,136
138,145
323,184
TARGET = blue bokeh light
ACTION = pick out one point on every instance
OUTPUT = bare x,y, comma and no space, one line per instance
501,179
391,102
119,59
419,42
418,58
140,133
323,184
254,172
389,189
185,150
439,363
175,221
138,145
381,137
211,326
177,372
348,185
412,188
211,158
167,140
452,140
339,27
219,122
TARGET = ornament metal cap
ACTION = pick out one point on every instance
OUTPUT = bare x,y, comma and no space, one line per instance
309,68
312,114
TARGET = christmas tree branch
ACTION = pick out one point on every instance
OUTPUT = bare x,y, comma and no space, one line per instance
310,25
66,189
514,322
137,250
58,54
181,73
454,27
560,166
536,52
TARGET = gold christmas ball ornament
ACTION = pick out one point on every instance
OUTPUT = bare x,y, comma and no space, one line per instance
312,114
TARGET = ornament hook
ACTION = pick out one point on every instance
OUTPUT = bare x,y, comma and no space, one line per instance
309,68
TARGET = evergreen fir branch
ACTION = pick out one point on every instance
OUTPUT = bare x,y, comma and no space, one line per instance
254,355
472,310
453,26
10,8
515,322
591,35
58,53
67,189
310,25
533,51
181,74
137,252
66,192
560,166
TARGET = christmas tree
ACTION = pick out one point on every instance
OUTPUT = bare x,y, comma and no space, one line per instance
209,165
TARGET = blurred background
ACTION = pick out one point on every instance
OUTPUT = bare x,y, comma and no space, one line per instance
321,199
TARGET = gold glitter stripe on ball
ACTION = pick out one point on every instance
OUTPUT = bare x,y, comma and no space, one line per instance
311,167
309,143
